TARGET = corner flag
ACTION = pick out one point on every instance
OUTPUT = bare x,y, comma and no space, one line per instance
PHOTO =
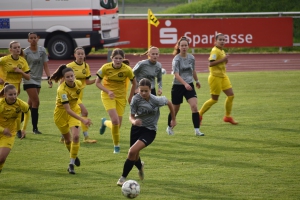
152,19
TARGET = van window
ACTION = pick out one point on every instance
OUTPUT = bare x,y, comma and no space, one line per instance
109,4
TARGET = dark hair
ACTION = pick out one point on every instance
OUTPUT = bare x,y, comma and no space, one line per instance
14,42
117,51
126,62
32,33
145,82
176,48
60,72
6,87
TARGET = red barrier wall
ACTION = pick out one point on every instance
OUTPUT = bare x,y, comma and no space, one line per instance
239,32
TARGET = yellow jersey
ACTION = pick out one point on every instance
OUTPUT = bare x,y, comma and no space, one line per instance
10,112
8,63
115,79
218,70
81,71
66,94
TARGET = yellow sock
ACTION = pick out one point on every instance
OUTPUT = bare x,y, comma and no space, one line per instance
68,146
228,105
74,150
115,131
206,106
108,124
1,166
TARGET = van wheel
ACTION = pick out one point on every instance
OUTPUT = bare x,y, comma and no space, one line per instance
60,47
87,50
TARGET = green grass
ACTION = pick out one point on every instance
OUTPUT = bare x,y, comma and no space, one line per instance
257,159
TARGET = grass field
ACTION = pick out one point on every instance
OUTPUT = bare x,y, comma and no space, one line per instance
257,159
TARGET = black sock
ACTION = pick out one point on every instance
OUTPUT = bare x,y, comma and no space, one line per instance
138,163
169,119
34,118
196,120
128,165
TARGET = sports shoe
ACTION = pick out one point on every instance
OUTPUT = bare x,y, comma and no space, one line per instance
103,127
71,169
121,181
62,140
36,131
116,149
77,162
170,131
19,134
141,171
198,133
87,140
230,120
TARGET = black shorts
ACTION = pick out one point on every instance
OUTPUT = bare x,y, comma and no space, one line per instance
141,133
27,86
179,91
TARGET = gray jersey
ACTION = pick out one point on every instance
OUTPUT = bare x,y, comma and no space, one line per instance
146,69
147,111
184,67
36,62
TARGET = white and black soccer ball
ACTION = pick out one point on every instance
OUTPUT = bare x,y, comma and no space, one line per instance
131,189
163,71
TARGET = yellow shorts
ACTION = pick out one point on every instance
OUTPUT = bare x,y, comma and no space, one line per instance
218,84
64,121
7,141
116,103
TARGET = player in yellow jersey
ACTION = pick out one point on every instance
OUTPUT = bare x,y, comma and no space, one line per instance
83,74
13,68
218,80
67,112
112,81
10,109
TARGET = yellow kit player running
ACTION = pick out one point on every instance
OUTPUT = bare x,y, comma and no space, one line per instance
83,74
67,112
13,68
10,109
218,80
112,81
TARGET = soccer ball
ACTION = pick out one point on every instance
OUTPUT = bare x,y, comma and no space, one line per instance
163,71
131,189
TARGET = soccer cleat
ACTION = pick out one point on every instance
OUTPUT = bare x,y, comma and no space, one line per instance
121,181
36,131
87,140
198,133
170,131
116,149
230,120
19,134
103,127
77,162
141,171
71,169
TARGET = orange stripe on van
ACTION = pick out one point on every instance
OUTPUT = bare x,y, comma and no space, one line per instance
28,13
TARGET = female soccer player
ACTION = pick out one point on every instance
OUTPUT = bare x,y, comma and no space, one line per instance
144,114
10,109
183,66
112,81
37,58
13,68
150,69
218,79
83,74
67,112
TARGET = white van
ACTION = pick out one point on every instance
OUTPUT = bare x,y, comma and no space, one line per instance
61,24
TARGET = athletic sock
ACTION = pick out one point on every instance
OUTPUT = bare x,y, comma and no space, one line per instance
196,119
34,118
206,106
138,163
115,131
74,150
228,105
128,165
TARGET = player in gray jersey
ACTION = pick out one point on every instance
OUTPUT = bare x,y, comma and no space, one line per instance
150,69
37,59
144,115
183,66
